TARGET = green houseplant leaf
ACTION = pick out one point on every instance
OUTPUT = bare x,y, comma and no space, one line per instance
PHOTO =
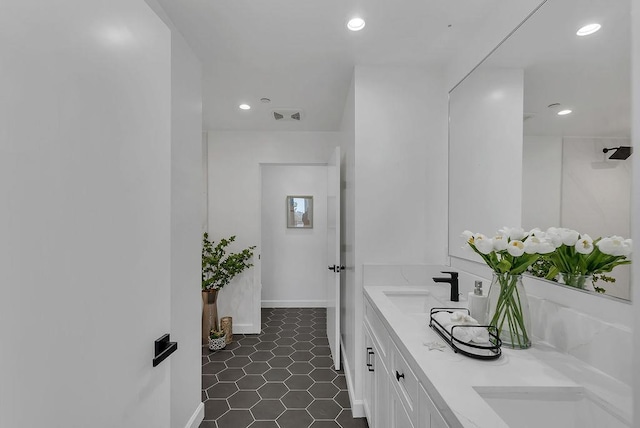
220,267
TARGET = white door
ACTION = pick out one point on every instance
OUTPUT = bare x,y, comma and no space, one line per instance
85,185
333,256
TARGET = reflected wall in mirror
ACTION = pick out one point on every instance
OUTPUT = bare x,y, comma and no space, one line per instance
300,212
515,161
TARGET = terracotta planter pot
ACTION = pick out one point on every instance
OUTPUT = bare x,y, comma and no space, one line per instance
209,313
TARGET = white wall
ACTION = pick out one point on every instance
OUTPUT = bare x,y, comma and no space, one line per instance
85,180
234,201
400,177
541,181
596,196
294,261
186,209
485,154
635,225
350,301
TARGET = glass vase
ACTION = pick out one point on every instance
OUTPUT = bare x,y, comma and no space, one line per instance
508,310
584,282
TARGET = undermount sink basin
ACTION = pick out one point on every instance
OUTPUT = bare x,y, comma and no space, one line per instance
567,407
420,301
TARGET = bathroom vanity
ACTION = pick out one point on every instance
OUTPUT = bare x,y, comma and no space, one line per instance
408,384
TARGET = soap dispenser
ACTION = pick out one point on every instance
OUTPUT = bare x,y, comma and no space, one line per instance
478,303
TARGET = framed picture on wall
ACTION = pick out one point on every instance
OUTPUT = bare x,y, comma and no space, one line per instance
300,212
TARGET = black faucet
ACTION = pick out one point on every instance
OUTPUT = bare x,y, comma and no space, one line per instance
453,280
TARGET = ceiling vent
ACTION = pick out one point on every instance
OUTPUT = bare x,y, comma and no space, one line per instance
283,115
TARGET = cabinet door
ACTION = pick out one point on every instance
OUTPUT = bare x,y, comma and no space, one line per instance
428,415
399,416
382,390
369,380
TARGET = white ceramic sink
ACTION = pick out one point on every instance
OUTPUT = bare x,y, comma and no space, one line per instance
421,301
567,407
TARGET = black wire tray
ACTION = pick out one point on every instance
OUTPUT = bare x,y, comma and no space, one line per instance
491,351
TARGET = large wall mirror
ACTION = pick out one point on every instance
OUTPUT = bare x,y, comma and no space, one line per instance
514,160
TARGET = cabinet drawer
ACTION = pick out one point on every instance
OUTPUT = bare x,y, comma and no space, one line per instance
378,329
405,381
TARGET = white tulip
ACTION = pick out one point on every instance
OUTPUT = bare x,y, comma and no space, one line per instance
615,246
584,244
467,235
546,247
553,235
515,248
500,242
531,245
483,244
516,233
569,236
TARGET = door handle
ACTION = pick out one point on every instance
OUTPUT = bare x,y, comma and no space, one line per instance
336,268
369,363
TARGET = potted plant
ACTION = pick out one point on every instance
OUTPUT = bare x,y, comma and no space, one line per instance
216,340
218,269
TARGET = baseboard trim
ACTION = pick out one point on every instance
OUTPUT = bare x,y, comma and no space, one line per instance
196,418
294,303
245,329
357,406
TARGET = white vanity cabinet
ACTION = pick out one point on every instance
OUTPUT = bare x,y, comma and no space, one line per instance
393,395
376,384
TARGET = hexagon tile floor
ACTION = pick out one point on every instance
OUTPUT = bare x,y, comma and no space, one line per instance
281,378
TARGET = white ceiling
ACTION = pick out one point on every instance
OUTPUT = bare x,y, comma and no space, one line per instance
590,75
299,53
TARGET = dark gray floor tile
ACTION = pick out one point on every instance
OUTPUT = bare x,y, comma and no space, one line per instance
301,356
297,399
283,350
238,362
230,375
251,382
303,337
208,424
295,419
232,346
342,398
209,380
222,390
264,424
271,330
213,409
267,410
323,375
273,390
272,337
256,368
325,424
323,390
321,351
340,382
324,409
243,399
322,362
301,367
281,362
262,355
265,346
244,351
285,341
235,419
252,340
213,368
346,420
305,330
303,346
299,382
277,375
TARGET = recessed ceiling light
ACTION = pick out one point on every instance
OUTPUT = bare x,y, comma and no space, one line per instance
564,112
244,106
265,100
356,24
588,29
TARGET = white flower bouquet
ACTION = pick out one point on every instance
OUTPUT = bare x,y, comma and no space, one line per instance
509,253
577,256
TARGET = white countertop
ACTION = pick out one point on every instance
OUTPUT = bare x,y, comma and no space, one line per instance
450,378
